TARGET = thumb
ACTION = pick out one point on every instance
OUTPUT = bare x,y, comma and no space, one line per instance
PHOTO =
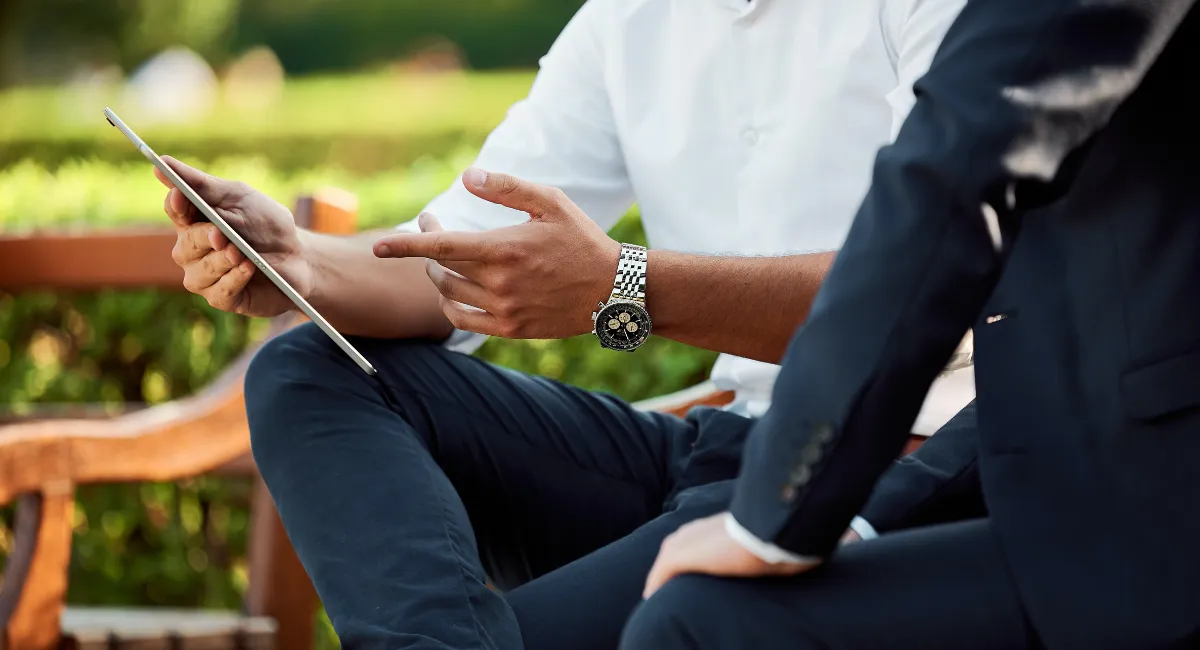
502,189
213,190
429,223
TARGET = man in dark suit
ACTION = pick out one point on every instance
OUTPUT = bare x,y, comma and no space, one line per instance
1044,191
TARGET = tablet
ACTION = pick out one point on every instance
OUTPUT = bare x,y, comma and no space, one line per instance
258,261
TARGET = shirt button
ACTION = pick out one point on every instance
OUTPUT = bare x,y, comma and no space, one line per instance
750,136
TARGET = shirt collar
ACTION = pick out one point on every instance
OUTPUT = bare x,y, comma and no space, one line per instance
743,8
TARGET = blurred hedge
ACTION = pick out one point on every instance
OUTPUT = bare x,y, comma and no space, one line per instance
360,123
185,544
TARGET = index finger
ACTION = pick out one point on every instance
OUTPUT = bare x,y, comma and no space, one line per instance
440,245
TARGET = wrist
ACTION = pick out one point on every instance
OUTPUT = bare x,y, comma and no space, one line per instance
621,321
601,284
306,257
765,551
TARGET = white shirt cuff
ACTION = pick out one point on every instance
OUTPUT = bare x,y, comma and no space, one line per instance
864,528
762,550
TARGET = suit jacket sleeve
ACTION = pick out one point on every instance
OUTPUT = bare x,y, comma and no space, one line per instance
937,483
1015,88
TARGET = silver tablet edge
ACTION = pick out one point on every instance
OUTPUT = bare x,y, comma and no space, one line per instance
242,245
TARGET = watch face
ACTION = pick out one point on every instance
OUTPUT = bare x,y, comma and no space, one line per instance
623,325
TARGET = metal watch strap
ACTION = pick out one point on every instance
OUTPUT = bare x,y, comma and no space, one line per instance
630,283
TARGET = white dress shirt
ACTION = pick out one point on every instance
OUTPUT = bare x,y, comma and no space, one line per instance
740,128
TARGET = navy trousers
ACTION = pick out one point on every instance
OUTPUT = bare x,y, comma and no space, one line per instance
404,493
943,587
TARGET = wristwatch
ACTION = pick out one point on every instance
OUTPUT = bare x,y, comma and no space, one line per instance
623,323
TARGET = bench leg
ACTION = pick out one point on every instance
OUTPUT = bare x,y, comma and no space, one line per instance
35,582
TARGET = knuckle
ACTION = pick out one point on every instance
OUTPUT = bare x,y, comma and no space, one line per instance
216,299
558,197
208,266
191,285
504,284
198,237
508,185
535,266
442,247
506,309
177,252
508,253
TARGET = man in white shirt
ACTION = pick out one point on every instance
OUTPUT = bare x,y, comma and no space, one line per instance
745,131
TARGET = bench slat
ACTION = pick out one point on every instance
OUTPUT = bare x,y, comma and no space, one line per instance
96,628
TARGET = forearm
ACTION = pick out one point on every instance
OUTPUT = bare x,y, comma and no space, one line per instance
363,295
746,306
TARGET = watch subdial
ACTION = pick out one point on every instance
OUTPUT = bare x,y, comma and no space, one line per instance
614,324
624,318
631,327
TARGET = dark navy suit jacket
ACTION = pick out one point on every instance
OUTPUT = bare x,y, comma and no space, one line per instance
1044,190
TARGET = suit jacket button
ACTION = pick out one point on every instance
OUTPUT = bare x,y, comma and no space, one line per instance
823,432
789,493
800,476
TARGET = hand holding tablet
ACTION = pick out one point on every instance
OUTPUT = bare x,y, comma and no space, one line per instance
207,212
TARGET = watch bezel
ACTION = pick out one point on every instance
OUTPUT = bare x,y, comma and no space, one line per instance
632,305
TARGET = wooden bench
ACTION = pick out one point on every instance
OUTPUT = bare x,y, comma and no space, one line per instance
44,457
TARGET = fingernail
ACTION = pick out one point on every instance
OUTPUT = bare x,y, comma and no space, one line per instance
476,177
383,250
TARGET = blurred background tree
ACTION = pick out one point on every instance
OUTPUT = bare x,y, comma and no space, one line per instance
389,99
48,40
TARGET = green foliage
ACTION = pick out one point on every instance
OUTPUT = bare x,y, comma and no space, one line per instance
184,544
99,194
